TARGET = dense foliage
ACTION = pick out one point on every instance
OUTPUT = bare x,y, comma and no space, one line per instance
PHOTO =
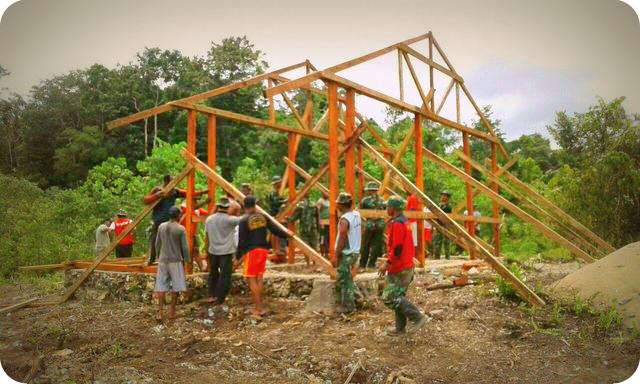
62,173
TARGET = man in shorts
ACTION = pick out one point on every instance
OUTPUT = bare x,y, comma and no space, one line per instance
253,249
173,251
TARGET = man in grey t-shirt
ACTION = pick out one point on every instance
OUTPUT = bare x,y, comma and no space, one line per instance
221,245
171,245
103,238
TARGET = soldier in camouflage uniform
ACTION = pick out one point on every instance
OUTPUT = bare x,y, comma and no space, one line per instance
399,270
373,241
307,214
275,201
347,249
440,238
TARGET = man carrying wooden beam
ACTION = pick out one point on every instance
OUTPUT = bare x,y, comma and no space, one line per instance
347,249
399,270
252,250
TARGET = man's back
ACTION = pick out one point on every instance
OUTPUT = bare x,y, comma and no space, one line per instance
172,242
220,229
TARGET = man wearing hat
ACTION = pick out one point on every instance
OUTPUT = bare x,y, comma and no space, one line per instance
125,246
246,189
220,229
347,249
275,201
399,270
440,238
373,241
308,216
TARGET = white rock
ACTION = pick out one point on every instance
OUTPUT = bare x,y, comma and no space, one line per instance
473,271
62,352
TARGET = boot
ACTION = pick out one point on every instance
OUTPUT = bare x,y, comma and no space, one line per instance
413,314
401,323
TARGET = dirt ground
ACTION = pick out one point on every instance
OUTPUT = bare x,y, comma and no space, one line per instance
473,337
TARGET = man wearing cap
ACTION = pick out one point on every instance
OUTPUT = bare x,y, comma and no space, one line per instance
125,246
347,249
246,189
252,249
399,270
103,236
440,238
275,201
220,229
173,252
160,213
373,240
308,216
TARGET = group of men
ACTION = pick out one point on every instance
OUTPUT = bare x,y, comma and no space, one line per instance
236,234
109,230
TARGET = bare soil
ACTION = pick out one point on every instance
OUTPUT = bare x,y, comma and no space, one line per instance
473,336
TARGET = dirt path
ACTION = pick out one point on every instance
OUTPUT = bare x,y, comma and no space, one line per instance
476,337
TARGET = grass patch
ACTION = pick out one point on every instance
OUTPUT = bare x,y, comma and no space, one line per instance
47,282
505,289
609,319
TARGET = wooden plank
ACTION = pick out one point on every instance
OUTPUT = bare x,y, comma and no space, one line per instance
249,120
396,159
495,208
405,106
108,267
211,158
350,155
228,187
524,291
432,64
526,202
419,182
382,214
446,94
504,168
291,181
103,255
304,174
201,96
13,307
524,216
431,77
333,166
532,193
44,267
400,77
426,99
191,188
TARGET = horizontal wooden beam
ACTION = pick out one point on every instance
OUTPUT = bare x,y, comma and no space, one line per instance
406,106
200,96
382,214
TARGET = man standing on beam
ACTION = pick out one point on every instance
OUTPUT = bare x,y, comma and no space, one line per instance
347,249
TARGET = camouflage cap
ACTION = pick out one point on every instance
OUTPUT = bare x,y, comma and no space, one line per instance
446,192
344,198
396,202
121,213
223,203
245,185
371,186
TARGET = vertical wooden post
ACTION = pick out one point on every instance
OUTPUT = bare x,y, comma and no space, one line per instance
466,148
349,156
496,212
191,184
400,76
432,102
272,111
360,174
420,184
291,180
333,166
211,159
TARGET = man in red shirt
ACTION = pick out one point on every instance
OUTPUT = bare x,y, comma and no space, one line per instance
125,246
399,270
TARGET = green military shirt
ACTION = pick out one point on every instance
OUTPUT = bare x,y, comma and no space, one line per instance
275,201
307,214
373,202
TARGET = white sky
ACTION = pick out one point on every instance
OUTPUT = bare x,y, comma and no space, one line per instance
528,59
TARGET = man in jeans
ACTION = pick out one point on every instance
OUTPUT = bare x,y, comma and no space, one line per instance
173,251
220,243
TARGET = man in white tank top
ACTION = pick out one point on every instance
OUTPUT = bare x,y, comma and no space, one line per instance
347,250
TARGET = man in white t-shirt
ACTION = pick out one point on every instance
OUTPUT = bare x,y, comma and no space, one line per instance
347,250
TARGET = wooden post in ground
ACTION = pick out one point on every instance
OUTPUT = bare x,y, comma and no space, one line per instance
349,156
495,206
272,109
291,179
211,158
466,147
360,174
420,184
431,89
191,186
333,166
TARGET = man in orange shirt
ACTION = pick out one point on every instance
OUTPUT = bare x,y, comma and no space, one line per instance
125,246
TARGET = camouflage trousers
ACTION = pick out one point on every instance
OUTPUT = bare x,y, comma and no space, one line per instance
438,241
372,247
397,286
310,238
345,287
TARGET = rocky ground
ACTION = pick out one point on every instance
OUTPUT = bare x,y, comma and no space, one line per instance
473,336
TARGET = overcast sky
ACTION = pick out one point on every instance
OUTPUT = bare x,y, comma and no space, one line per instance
527,59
